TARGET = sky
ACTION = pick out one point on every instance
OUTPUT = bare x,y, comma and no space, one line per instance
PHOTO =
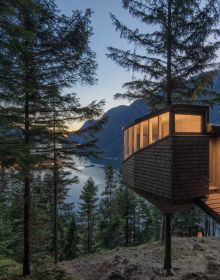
110,75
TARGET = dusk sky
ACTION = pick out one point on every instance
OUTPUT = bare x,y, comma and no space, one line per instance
110,76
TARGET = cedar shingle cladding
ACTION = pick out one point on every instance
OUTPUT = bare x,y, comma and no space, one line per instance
175,168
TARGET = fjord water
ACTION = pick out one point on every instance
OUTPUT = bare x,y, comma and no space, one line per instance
93,169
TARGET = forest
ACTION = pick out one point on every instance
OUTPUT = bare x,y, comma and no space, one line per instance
44,55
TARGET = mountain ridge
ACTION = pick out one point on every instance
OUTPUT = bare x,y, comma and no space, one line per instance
110,138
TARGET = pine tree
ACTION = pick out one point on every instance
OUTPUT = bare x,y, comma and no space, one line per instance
109,218
41,50
69,235
124,201
108,192
174,54
61,152
87,213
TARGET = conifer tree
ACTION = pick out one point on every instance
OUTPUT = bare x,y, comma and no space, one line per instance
109,220
69,238
40,50
180,45
125,202
61,151
87,213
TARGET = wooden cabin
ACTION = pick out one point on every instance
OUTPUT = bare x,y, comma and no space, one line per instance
172,158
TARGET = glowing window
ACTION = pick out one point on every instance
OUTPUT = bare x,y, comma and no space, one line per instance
164,125
126,146
153,130
188,123
144,131
136,137
131,140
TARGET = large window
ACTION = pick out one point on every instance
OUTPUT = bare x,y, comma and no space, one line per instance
131,140
188,123
144,133
164,125
153,130
136,137
126,143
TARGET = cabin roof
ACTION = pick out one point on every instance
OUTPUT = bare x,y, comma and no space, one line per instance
173,107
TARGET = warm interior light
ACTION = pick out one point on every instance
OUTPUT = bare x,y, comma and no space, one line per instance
131,140
153,130
164,125
136,137
126,144
188,123
214,159
144,133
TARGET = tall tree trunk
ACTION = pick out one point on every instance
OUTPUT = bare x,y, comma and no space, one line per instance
2,183
134,228
26,259
167,259
162,229
88,235
55,198
110,218
27,191
169,53
126,231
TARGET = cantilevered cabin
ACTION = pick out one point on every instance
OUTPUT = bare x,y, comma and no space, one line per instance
172,158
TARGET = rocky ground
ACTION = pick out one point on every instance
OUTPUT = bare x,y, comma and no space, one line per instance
193,258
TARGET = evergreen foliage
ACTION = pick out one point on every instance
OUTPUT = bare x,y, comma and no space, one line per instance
42,53
108,219
171,56
87,214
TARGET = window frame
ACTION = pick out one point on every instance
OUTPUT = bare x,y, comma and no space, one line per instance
188,112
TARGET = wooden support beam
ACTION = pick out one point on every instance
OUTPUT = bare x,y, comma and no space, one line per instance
167,259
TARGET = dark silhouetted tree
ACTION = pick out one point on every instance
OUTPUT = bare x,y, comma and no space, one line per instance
171,55
87,213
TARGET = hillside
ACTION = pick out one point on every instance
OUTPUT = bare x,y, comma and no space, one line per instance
193,258
110,138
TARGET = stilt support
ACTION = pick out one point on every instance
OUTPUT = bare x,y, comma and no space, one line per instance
167,260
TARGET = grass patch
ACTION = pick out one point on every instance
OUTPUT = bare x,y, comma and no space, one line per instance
11,270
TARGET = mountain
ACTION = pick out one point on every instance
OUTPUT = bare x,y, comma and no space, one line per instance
110,138
215,112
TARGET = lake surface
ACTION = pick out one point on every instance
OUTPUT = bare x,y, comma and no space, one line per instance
95,170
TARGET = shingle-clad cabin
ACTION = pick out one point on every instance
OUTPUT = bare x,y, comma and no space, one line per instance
170,157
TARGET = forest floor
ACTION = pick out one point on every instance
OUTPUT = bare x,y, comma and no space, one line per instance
193,258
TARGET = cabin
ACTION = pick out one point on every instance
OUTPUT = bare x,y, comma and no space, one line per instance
171,157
